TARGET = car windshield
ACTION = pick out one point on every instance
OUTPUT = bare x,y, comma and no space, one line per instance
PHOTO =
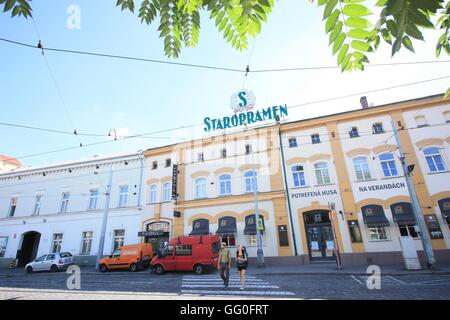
65,255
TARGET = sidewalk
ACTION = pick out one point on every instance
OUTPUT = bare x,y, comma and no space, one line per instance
307,269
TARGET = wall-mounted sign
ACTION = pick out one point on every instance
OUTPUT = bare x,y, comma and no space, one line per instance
151,234
379,187
241,103
319,193
174,181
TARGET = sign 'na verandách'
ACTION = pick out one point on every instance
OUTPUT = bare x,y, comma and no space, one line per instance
242,103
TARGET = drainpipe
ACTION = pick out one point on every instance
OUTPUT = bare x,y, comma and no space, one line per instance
141,159
287,191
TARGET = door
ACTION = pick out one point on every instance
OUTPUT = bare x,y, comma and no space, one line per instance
47,264
320,242
38,265
116,261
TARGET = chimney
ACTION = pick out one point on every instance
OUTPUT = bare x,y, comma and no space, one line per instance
364,103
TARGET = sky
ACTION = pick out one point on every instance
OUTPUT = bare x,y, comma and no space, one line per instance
95,95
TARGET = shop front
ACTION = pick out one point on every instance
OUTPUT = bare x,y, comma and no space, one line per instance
319,235
156,233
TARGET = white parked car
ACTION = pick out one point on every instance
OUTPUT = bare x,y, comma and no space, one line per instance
51,262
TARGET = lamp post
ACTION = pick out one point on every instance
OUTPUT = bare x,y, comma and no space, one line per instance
105,219
260,253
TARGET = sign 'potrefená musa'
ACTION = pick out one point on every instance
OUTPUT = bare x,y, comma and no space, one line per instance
242,103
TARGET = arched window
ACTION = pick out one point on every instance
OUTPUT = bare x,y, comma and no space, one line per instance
388,165
200,188
225,184
152,194
167,194
251,182
361,169
322,175
434,159
298,174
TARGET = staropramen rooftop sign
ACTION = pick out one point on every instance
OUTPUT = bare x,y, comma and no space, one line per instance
243,105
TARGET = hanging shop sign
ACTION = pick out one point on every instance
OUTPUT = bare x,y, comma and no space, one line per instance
242,103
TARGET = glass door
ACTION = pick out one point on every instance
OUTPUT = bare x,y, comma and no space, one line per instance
320,242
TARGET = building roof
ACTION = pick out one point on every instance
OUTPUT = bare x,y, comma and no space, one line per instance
10,160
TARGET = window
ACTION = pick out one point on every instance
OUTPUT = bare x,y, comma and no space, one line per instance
12,207
447,116
123,196
353,132
355,232
154,165
434,159
248,149
299,176
168,162
377,128
50,257
152,194
388,165
225,184
167,192
252,240
200,188
377,233
408,230
292,142
64,202
116,253
322,175
223,153
37,204
201,157
41,258
361,169
315,138
421,121
57,242
119,238
183,250
251,182
229,239
93,199
86,243
3,245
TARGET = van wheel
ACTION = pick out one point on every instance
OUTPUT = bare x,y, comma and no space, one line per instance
29,269
103,268
133,267
198,269
159,270
54,268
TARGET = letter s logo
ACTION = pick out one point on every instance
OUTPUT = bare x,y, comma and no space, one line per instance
241,96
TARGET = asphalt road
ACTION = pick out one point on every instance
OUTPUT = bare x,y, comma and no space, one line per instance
187,285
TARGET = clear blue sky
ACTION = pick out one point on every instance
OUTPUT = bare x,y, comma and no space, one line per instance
101,94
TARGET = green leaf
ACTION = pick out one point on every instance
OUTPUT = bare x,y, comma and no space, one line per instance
408,44
342,53
361,45
358,23
331,21
396,46
8,5
356,10
381,3
359,34
329,8
336,31
338,43
447,93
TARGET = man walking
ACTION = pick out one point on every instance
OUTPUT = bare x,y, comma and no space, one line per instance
224,264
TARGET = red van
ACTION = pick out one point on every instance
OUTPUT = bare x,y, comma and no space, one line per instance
188,253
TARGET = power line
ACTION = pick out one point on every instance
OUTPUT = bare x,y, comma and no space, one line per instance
113,56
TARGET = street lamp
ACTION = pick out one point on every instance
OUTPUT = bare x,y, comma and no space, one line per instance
260,253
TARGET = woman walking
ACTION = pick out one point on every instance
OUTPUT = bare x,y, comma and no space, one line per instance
242,263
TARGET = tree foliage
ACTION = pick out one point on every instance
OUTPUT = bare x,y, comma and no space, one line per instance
352,28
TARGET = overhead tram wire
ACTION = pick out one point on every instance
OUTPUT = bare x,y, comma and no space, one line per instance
200,66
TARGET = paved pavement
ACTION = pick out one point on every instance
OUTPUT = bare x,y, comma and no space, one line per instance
311,282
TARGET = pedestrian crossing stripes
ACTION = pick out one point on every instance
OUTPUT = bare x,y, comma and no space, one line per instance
213,285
